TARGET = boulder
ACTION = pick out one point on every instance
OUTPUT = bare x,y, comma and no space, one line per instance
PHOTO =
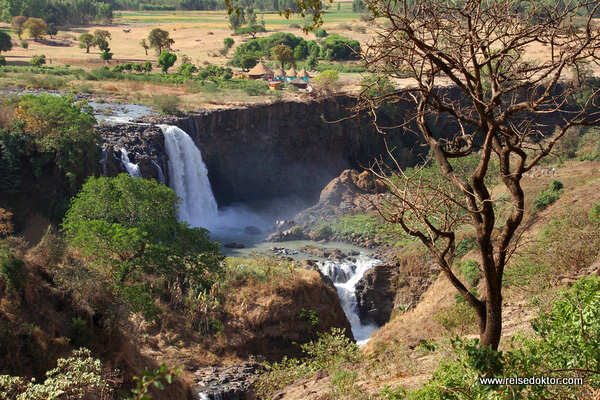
252,230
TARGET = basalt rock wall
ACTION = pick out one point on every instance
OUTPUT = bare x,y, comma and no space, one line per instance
276,150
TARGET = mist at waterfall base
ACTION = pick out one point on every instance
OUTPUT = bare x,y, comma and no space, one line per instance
189,178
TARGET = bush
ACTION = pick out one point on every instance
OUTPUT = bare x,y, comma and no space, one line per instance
547,197
323,232
12,269
37,61
359,29
76,377
24,44
320,32
2,61
329,352
79,332
257,89
166,104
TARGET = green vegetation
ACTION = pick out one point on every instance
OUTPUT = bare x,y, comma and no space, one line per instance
329,353
565,344
334,47
159,40
129,230
166,104
37,61
5,42
547,197
12,269
58,12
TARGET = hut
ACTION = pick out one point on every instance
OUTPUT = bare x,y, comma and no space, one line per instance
303,74
291,74
260,71
274,85
279,74
299,83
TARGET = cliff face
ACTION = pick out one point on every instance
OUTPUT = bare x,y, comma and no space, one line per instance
275,150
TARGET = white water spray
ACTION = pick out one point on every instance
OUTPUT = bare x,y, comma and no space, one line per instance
132,169
189,178
345,276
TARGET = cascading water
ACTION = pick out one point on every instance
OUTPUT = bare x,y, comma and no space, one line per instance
188,176
345,275
132,169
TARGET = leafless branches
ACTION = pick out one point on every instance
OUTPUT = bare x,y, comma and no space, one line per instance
467,62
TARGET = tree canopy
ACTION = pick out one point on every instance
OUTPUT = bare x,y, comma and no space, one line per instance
5,42
128,227
166,60
36,27
159,40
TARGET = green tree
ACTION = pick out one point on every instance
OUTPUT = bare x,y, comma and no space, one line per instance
250,16
251,30
5,42
129,229
283,54
86,40
237,19
51,30
187,69
248,61
101,38
61,131
328,81
166,60
17,25
36,27
147,67
159,40
228,43
106,55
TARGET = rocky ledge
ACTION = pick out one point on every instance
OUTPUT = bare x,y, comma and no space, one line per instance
230,383
145,146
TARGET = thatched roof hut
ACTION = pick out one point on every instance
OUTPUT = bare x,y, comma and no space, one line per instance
279,74
291,73
303,74
259,71
299,83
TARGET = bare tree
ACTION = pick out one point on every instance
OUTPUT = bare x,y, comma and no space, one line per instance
500,110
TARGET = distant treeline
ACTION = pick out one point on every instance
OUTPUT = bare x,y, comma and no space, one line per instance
59,12
172,5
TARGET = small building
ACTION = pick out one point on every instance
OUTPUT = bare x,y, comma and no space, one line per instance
279,74
274,85
291,74
299,83
260,71
303,74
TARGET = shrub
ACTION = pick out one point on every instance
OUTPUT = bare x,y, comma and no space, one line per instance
320,32
359,29
294,26
79,332
256,89
166,104
323,232
12,269
24,44
329,352
2,61
76,377
547,197
37,61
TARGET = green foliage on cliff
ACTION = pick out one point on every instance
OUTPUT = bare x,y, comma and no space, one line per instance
129,231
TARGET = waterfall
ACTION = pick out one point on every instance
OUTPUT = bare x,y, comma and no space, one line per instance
132,169
345,275
188,176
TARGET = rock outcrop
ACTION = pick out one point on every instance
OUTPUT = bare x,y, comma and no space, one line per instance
392,286
272,321
145,146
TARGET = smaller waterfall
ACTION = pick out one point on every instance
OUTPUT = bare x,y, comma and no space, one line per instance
345,275
132,169
188,176
161,175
